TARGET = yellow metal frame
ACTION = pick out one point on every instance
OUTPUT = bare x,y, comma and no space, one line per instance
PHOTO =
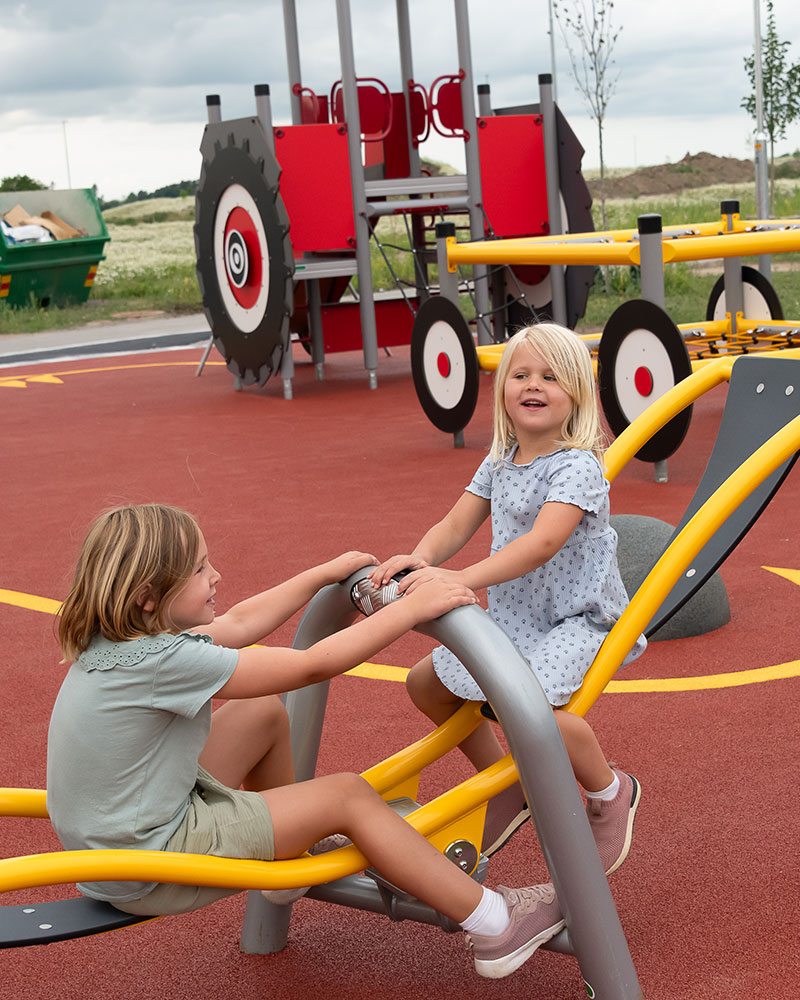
696,241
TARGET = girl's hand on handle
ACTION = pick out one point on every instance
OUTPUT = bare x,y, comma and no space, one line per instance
427,574
382,574
342,566
436,596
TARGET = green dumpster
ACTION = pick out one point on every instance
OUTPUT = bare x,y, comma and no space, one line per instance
62,270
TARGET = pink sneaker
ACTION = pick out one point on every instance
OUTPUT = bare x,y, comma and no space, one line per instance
283,897
505,814
612,821
535,918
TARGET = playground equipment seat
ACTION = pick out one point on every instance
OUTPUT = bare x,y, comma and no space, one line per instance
374,107
313,107
445,109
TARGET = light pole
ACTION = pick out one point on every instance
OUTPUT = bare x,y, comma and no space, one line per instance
762,193
66,153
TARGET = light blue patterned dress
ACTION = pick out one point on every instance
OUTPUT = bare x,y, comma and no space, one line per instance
559,614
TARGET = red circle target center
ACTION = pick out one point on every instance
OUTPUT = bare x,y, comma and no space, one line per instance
443,364
241,221
643,380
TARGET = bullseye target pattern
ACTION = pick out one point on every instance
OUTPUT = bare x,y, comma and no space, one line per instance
444,365
641,356
245,261
241,258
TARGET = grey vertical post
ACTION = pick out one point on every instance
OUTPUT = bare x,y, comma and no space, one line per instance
265,927
264,112
448,280
292,58
414,164
528,722
732,272
213,109
472,155
652,268
498,282
366,301
484,100
406,74
651,258
553,180
760,150
315,326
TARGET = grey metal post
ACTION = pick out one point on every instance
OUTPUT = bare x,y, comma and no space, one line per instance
760,158
315,326
213,108
407,74
651,258
264,112
553,179
448,280
473,161
484,100
498,283
265,927
594,930
292,58
732,272
652,269
366,301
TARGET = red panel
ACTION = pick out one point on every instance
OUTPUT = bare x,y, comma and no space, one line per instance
315,185
512,174
341,325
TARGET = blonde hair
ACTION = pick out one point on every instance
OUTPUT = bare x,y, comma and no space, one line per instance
130,554
570,362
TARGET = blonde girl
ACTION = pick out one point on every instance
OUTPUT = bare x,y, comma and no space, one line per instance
552,576
137,760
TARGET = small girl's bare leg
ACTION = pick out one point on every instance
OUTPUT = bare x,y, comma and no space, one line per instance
433,699
587,759
249,744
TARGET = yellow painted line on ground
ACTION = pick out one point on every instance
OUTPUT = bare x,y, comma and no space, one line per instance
29,601
22,381
385,672
737,678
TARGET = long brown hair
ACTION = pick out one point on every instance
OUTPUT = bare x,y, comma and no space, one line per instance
130,553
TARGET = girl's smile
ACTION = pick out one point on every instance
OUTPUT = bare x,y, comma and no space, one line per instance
536,404
194,603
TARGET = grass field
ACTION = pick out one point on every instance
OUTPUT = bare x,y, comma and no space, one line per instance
150,261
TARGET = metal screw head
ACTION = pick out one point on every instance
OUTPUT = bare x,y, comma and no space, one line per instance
464,854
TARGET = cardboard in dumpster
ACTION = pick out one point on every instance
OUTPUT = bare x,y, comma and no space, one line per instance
17,216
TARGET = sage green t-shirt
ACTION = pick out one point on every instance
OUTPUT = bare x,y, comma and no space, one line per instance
127,728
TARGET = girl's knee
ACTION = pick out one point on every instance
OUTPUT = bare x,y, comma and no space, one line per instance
422,681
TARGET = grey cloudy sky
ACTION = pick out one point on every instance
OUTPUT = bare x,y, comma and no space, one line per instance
125,83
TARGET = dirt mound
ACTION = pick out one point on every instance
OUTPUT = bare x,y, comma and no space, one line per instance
693,171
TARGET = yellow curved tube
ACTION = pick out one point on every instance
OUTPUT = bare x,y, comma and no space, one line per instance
675,560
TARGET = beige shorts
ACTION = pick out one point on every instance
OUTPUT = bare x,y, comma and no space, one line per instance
221,821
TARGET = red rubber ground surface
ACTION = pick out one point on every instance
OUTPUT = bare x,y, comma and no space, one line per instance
709,895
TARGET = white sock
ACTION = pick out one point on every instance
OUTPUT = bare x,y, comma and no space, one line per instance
490,917
605,794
